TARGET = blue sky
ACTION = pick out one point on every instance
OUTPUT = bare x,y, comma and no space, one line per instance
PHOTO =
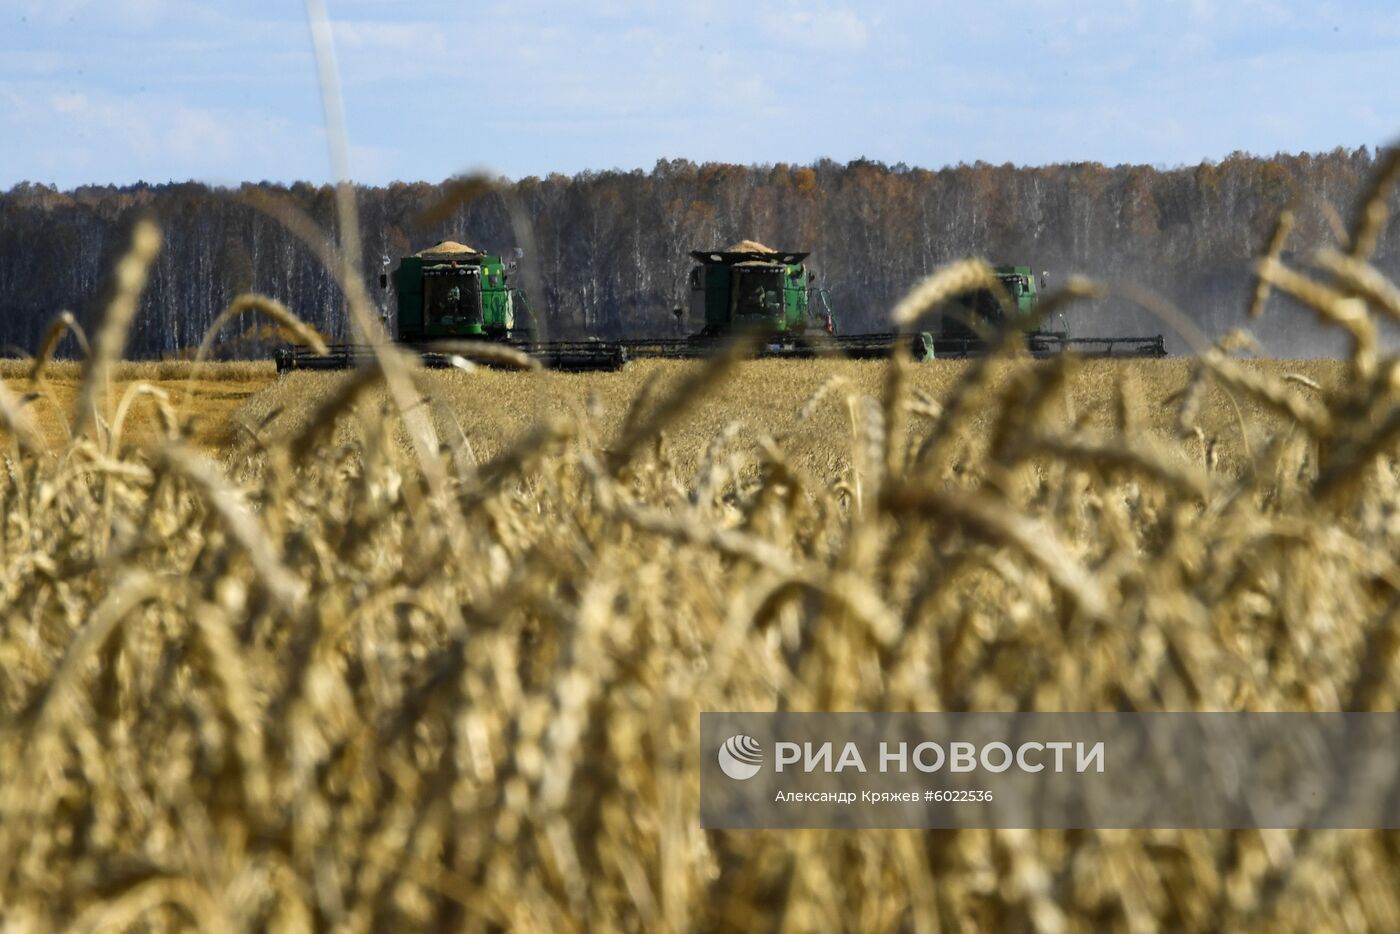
125,90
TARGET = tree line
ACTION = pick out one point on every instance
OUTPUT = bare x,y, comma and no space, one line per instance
609,250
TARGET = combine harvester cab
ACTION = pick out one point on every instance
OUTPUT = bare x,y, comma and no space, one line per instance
449,298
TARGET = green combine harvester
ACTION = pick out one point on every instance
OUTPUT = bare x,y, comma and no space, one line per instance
452,293
964,327
745,288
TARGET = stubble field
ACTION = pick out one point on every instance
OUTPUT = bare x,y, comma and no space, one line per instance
205,397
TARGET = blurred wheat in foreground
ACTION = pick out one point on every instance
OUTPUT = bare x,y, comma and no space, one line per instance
370,672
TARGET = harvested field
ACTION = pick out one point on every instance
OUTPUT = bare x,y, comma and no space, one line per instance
207,402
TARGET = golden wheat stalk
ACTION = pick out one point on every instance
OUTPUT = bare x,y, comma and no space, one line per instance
297,329
924,405
63,323
1375,211
851,592
132,393
489,352
950,281
132,589
1311,416
1145,460
1277,240
1350,458
397,366
643,429
1364,279
833,383
1302,380
323,419
1332,307
456,193
145,895
17,421
129,281
983,517
204,477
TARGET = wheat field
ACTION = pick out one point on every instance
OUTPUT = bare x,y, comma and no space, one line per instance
801,403
408,650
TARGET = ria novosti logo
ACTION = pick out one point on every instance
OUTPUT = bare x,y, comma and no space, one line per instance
740,757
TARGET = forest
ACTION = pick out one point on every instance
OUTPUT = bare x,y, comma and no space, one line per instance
608,250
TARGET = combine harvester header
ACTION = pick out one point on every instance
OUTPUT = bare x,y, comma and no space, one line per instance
452,293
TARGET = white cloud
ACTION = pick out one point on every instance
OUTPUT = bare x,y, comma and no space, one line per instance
823,30
192,133
411,40
32,62
83,137
69,103
130,14
231,94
